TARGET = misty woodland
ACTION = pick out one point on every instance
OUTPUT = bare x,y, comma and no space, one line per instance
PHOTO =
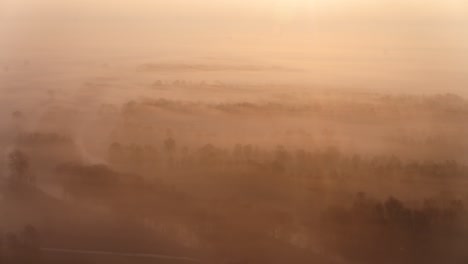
240,182
233,131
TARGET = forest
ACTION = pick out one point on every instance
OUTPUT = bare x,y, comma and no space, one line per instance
370,178
233,132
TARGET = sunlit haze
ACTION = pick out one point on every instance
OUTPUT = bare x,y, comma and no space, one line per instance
233,131
406,45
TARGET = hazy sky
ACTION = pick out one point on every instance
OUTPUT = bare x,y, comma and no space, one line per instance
361,41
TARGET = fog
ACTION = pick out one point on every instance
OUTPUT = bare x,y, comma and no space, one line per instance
264,131
356,43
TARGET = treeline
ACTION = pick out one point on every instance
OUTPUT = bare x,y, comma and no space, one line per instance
390,231
357,106
235,202
237,212
102,186
37,138
328,162
247,198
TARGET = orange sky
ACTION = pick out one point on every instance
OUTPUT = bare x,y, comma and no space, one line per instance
367,41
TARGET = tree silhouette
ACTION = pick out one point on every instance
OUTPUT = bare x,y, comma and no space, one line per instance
169,145
18,164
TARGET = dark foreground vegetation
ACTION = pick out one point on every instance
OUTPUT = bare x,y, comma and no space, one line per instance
21,247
